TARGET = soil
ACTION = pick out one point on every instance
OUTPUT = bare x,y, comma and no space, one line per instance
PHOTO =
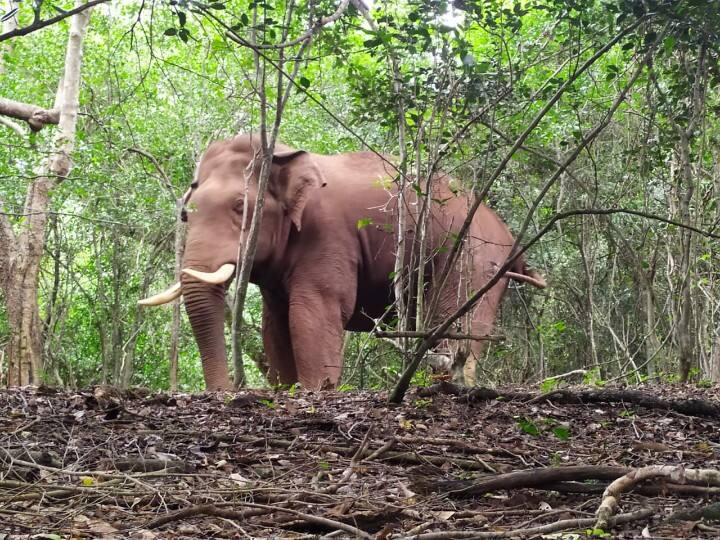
105,463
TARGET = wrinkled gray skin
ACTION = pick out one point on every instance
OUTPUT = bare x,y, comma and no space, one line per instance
318,271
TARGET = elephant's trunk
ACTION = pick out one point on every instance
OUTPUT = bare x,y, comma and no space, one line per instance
205,306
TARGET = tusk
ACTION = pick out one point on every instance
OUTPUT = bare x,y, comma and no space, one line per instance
534,279
164,297
221,275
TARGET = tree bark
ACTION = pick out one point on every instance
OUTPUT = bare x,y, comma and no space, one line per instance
175,325
21,261
35,116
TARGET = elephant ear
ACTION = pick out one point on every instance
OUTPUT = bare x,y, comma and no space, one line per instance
297,177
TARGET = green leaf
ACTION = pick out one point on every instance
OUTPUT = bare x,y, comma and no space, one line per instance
548,385
364,222
304,82
170,32
562,432
372,42
216,5
528,427
182,18
244,19
669,44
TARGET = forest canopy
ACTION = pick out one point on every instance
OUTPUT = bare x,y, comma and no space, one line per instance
590,126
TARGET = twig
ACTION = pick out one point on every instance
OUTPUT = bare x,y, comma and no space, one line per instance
566,524
40,24
446,335
382,450
211,509
207,510
12,125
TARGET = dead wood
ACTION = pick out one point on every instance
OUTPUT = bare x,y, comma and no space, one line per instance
562,525
649,490
214,510
688,406
38,457
352,460
411,457
677,474
146,465
708,512
207,510
532,478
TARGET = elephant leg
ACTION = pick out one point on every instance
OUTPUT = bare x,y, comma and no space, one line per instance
276,341
317,328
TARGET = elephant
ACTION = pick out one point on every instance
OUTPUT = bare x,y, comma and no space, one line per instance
325,254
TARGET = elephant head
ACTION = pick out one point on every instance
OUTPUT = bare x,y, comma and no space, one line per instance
213,208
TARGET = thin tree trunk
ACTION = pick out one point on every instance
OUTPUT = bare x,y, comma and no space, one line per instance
683,336
175,325
21,289
246,253
589,299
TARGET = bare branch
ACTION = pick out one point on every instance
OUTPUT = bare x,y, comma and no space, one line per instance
12,125
40,24
166,179
446,335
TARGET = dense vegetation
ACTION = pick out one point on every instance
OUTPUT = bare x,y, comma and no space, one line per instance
592,126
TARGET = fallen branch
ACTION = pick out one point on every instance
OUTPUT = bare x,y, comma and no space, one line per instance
686,406
562,525
649,490
708,512
531,478
206,510
677,474
213,510
146,465
409,456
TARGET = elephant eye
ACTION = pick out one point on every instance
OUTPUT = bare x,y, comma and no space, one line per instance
238,206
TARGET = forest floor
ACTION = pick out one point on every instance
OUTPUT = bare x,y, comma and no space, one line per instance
261,464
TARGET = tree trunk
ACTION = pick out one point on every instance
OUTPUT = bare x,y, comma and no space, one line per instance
589,298
22,263
175,327
683,332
